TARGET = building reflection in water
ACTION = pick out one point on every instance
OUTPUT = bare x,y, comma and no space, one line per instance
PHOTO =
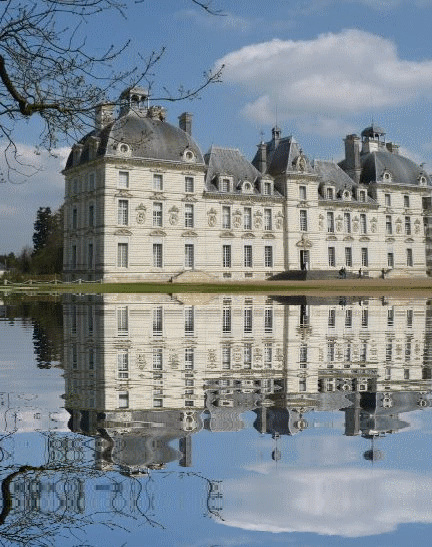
143,371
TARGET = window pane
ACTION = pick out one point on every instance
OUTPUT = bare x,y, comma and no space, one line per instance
248,256
157,255
123,212
268,257
189,216
122,255
123,179
189,184
226,256
157,182
157,214
247,218
226,217
189,255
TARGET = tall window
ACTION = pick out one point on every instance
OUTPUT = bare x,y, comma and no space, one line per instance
226,256
91,215
302,193
91,182
363,351
226,217
409,314
330,222
189,215
157,321
157,359
268,355
226,317
331,318
122,255
363,223
157,214
74,218
390,317
122,364
331,256
348,318
389,227
348,256
122,321
268,219
390,260
329,193
267,188
248,319
226,357
157,255
364,257
387,200
268,256
409,257
406,201
123,179
123,212
303,355
303,220
74,256
347,222
189,184
247,356
408,226
389,349
189,255
225,185
90,257
189,358
364,318
331,351
268,319
248,256
189,320
157,182
123,399
362,196
247,218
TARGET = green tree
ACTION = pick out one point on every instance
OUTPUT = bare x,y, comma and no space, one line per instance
47,257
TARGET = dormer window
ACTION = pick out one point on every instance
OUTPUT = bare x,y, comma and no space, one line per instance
387,176
362,196
346,195
225,185
267,188
246,187
422,180
329,193
188,155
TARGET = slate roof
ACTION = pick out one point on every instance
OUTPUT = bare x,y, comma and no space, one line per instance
281,156
329,171
403,170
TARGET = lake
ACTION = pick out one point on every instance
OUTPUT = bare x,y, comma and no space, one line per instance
197,420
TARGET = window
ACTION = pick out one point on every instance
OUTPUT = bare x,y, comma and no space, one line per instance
225,185
226,357
226,256
363,223
390,317
408,226
304,315
331,351
389,228
91,358
74,218
226,217
247,356
248,256
122,255
247,218
303,220
406,202
408,350
123,179
389,350
303,355
348,319
268,219
364,318
189,184
406,374
122,321
302,192
267,188
268,355
390,260
91,179
331,256
409,318
189,320
226,318
157,403
90,255
189,358
189,215
123,364
330,222
157,321
362,196
91,215
248,319
157,359
123,399
387,373
74,256
157,255
409,257
332,318
189,255
329,193
268,256
157,182
364,257
347,222
348,352
157,214
302,384
123,212
348,256
387,200
268,320
363,351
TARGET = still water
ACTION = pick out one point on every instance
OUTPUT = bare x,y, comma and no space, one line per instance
215,420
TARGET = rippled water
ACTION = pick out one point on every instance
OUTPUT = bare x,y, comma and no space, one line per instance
215,420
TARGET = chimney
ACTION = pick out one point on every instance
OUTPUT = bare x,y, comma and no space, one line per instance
393,148
185,122
103,115
262,157
352,157
276,134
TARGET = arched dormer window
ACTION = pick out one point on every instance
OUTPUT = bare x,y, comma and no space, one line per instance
246,187
188,155
346,195
422,180
387,176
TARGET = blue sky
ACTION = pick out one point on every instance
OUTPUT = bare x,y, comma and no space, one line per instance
322,68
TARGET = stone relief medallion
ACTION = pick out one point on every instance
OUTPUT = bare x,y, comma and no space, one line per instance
339,226
237,219
398,229
279,355
279,220
174,360
355,226
237,354
211,357
417,229
141,361
212,218
141,213
321,222
173,216
258,219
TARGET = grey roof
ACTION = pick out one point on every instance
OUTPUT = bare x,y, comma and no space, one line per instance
329,171
281,156
148,137
403,170
373,130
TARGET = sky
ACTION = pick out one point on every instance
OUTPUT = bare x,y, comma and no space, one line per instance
320,69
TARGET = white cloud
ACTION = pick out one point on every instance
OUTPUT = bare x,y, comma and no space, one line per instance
308,7
228,21
337,501
22,195
320,82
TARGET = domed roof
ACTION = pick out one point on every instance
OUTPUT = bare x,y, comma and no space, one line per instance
401,170
373,130
140,134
